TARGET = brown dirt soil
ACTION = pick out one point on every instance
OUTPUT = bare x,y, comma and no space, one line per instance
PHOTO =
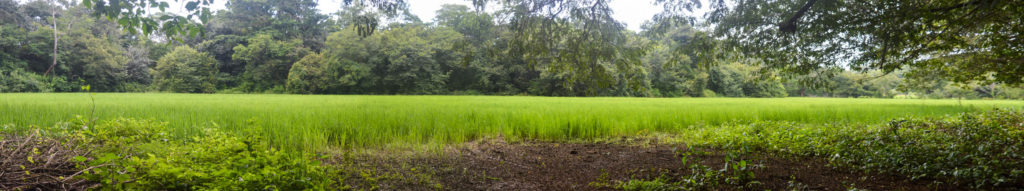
496,165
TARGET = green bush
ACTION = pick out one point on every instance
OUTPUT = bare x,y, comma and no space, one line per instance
979,150
736,173
974,149
311,74
21,81
138,155
185,71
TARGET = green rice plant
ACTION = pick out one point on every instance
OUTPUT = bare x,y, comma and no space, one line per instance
320,122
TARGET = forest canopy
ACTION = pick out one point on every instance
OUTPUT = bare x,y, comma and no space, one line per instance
937,49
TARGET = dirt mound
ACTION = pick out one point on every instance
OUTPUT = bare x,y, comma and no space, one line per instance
556,166
497,165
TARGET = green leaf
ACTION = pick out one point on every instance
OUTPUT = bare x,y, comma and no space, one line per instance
79,159
194,30
163,6
124,21
204,15
107,157
190,6
147,28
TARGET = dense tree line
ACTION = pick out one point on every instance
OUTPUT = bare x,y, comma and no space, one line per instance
287,46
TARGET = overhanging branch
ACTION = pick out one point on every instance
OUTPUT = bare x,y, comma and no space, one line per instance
789,26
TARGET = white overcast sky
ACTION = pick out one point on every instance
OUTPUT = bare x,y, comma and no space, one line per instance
631,12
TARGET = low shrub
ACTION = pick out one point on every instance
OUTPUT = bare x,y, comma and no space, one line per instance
973,149
22,81
977,150
130,154
736,173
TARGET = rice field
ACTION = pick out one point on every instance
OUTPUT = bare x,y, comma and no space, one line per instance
314,122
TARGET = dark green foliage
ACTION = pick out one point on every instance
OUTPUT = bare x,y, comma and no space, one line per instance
676,79
10,47
678,65
739,80
726,81
473,64
856,84
976,40
295,19
21,81
735,173
355,56
221,47
98,62
140,155
139,64
133,15
9,12
186,71
978,150
412,57
870,84
401,60
267,62
312,74
88,52
527,48
577,42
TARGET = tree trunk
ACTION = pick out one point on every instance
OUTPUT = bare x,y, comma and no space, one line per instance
959,99
994,90
53,16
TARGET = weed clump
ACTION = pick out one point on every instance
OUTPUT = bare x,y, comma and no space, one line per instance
130,154
736,173
974,149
